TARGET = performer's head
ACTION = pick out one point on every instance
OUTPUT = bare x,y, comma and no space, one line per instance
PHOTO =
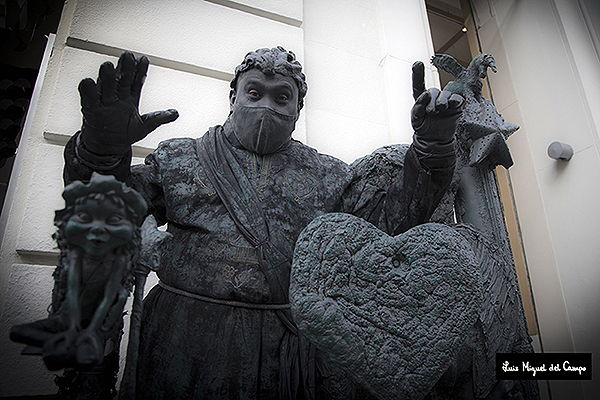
274,61
266,97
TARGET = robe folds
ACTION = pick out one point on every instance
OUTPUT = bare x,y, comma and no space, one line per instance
196,349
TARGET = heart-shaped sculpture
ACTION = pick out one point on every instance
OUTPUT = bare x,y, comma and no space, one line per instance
390,311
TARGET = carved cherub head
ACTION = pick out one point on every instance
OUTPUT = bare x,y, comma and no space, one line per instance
100,216
274,61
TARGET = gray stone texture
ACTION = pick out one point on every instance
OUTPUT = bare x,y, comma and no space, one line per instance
391,311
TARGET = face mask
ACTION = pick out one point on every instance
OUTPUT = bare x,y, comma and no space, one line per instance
262,130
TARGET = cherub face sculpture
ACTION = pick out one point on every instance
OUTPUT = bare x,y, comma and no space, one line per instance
100,216
99,226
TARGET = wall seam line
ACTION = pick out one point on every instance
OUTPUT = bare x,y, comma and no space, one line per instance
154,60
258,12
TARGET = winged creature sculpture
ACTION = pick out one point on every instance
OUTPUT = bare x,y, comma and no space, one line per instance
467,81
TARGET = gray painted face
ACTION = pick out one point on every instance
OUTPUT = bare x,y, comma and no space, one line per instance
264,111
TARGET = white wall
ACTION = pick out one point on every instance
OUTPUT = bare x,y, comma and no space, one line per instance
357,58
359,55
550,86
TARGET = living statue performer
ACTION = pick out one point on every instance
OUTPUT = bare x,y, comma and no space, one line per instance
98,237
364,298
218,324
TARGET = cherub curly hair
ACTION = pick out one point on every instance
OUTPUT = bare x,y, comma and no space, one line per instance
100,187
271,61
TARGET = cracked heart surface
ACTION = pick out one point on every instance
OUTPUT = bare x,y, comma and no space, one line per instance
390,311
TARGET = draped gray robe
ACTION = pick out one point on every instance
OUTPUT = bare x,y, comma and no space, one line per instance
197,349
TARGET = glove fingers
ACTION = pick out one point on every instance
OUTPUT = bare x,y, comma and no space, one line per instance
431,109
89,94
419,108
153,120
418,111
418,79
125,74
455,101
441,103
141,69
107,83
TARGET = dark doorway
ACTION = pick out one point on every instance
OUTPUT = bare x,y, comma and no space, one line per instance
449,32
24,26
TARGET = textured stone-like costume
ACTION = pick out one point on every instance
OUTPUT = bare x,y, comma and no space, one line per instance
391,311
194,348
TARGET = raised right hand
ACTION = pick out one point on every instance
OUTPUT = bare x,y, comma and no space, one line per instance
435,113
111,119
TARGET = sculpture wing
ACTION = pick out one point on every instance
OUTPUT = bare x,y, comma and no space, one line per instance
501,327
449,64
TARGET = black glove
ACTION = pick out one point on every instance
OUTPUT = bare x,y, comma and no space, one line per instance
435,112
434,117
111,119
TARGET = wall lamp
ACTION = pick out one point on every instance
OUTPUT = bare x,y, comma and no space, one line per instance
560,151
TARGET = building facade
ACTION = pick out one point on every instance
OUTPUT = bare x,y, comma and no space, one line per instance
357,56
